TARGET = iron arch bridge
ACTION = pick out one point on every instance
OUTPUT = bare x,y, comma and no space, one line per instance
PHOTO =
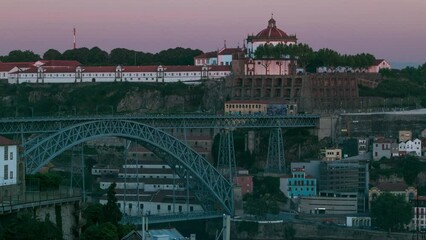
206,182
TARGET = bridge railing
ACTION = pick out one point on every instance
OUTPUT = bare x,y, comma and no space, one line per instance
30,199
172,217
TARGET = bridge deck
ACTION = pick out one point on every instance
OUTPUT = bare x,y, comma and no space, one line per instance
172,217
52,124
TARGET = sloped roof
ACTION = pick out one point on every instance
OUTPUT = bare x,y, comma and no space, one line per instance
392,186
6,142
207,55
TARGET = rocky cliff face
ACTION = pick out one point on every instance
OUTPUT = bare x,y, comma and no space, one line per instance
124,98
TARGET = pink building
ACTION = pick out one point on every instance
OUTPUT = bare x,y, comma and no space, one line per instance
378,65
245,181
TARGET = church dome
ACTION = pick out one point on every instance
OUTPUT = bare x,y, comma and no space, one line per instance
272,31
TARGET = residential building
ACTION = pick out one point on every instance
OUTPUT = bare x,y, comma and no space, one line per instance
395,152
413,147
244,180
404,135
395,188
382,148
147,185
378,65
12,170
208,58
423,133
333,154
329,202
224,56
312,167
298,184
419,218
362,145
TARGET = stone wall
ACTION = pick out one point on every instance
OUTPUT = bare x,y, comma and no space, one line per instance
304,231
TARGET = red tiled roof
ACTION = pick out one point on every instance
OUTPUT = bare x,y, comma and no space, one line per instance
383,140
378,62
207,55
392,186
51,69
7,66
140,69
223,68
272,32
247,101
60,63
103,69
182,68
6,142
229,51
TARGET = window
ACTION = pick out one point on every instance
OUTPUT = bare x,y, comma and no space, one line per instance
158,206
5,152
11,156
169,207
141,206
6,171
130,206
11,174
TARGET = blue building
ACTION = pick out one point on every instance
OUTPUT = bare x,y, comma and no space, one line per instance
298,184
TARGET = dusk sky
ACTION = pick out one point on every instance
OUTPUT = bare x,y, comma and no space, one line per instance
391,29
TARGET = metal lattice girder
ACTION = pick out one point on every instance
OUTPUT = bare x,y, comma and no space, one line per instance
275,161
226,156
53,124
177,154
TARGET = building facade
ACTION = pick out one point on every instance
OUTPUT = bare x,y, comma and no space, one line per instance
329,203
299,184
382,147
347,176
12,170
270,35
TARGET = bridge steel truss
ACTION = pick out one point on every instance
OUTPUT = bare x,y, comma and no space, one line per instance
209,185
57,134
53,124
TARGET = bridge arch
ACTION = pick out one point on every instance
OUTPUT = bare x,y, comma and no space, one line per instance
206,182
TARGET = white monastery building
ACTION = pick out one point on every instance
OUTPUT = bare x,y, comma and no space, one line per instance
270,35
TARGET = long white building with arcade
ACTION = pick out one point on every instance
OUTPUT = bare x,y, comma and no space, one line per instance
73,72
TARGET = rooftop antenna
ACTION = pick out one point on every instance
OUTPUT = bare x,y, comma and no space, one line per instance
75,44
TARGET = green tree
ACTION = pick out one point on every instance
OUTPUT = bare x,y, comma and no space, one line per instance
111,211
93,214
21,56
391,212
52,54
103,231
26,227
411,167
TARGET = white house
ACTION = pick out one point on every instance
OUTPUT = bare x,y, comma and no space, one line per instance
414,146
8,162
378,65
